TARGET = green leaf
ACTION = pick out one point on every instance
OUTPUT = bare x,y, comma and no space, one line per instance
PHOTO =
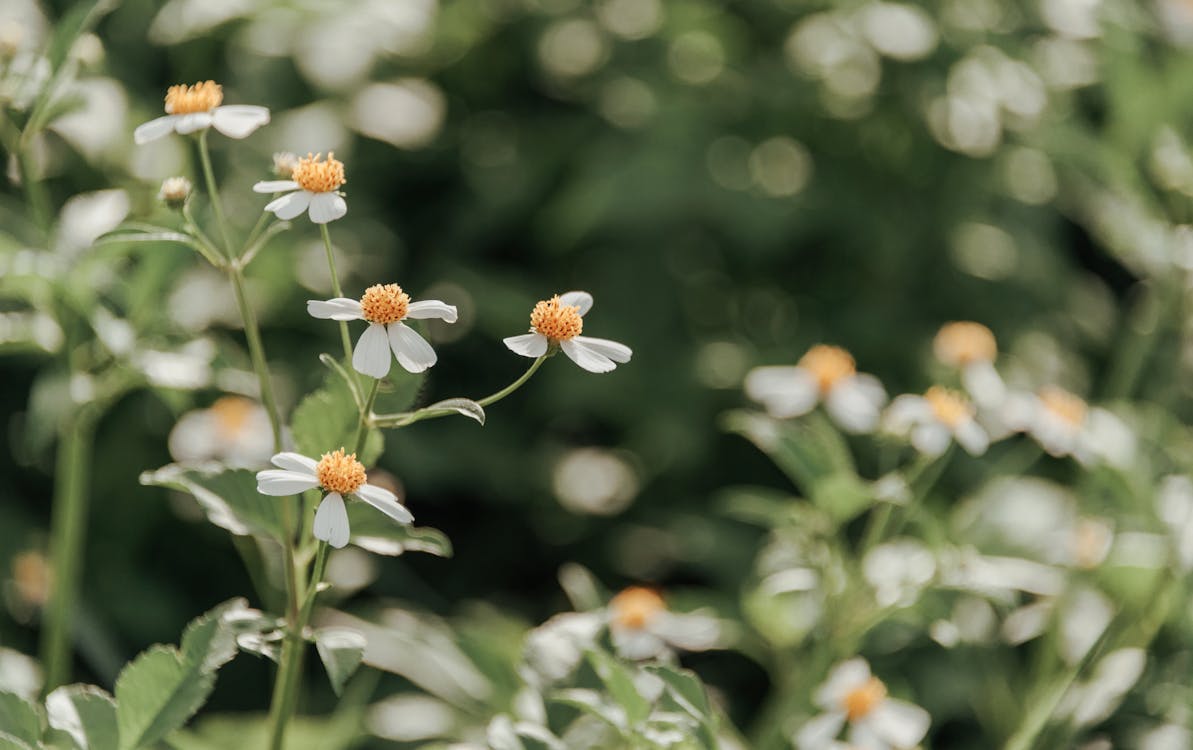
328,420
228,497
117,238
77,21
378,533
464,406
87,713
12,742
19,718
620,684
686,686
842,495
341,650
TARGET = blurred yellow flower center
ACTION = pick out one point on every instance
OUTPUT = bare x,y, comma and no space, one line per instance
1063,405
31,576
1091,541
635,607
950,407
340,473
556,321
231,413
859,702
202,97
318,176
384,304
828,364
963,343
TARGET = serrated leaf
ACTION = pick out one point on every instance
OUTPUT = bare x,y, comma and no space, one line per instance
341,650
19,718
328,420
209,641
378,533
86,713
620,684
228,497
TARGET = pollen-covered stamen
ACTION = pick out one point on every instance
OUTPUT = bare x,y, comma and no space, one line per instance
859,702
829,365
635,607
556,321
1063,405
231,413
949,407
384,304
201,97
340,472
962,343
315,175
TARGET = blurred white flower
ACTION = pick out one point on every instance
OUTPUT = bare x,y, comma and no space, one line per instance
554,649
902,32
642,627
313,187
1174,504
851,695
284,163
825,373
385,306
190,109
1065,425
187,368
935,418
1095,699
406,114
558,322
596,481
898,570
337,474
971,347
234,430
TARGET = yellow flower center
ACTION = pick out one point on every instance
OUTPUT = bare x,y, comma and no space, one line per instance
949,407
231,413
963,343
32,577
202,97
314,174
635,607
1063,405
1091,540
384,304
555,321
340,473
828,364
859,702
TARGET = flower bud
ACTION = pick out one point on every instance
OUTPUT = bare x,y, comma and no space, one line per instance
284,163
175,191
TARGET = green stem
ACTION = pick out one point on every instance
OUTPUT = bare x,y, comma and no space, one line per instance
514,385
213,193
69,524
257,352
1150,317
404,419
335,287
366,414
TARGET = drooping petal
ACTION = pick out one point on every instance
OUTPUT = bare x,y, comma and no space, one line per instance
280,482
589,359
972,437
327,207
818,733
432,308
289,205
239,120
193,122
337,308
900,723
528,344
154,129
844,678
371,356
275,186
412,350
855,403
582,300
331,521
637,644
984,383
904,412
784,391
691,631
385,501
611,349
294,462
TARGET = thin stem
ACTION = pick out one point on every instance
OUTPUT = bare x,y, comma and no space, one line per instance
257,352
213,194
404,419
366,414
516,384
335,287
69,525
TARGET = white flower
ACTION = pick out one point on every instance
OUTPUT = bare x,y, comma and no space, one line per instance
935,418
234,431
175,191
825,373
193,108
641,626
558,322
972,348
385,306
313,187
337,474
1065,425
876,722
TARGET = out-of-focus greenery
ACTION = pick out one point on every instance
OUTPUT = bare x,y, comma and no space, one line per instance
733,182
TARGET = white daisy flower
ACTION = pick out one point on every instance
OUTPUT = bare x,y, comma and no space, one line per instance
337,474
825,373
234,430
971,347
1065,425
313,187
558,322
935,418
641,626
851,695
190,109
385,306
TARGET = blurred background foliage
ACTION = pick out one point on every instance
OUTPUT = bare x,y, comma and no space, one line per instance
733,181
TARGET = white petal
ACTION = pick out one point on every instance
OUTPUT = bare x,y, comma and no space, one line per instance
845,677
275,186
900,723
972,437
289,205
192,122
904,412
784,391
588,359
856,403
154,129
819,733
371,356
239,120
385,501
582,300
637,644
985,384
691,631
279,482
528,344
337,308
327,207
295,462
412,350
432,308
331,521
611,349
930,438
